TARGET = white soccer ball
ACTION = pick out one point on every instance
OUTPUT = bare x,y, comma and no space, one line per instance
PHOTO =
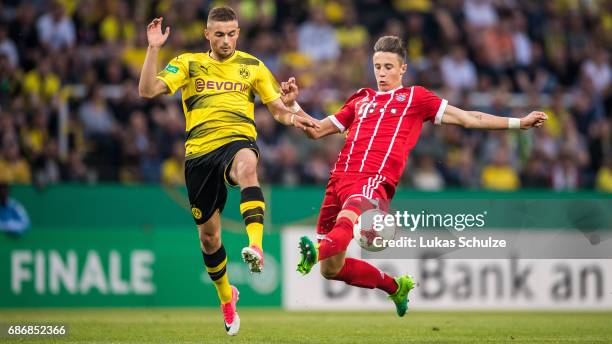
371,232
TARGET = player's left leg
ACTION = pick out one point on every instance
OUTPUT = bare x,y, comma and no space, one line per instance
243,171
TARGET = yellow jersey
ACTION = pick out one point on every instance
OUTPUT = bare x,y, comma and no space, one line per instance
218,97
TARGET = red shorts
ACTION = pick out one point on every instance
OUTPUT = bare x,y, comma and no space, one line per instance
357,192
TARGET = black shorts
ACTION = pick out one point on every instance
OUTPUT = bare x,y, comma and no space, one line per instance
207,175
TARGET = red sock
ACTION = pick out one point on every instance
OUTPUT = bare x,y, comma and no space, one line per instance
361,274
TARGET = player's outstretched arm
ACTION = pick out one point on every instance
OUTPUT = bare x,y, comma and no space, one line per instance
148,85
284,116
326,128
481,120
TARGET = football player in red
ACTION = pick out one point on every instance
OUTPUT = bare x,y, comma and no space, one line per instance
383,126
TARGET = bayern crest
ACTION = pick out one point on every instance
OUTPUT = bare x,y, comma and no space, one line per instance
400,97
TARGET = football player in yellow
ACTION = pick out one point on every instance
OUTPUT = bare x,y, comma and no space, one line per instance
218,93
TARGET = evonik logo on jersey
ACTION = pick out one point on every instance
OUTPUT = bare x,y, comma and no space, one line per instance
202,84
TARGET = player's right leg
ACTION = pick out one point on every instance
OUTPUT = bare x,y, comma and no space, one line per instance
325,223
215,260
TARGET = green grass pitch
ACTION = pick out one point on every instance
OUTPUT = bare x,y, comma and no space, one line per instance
191,325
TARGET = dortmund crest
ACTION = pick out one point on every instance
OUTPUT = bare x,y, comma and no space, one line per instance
244,72
197,213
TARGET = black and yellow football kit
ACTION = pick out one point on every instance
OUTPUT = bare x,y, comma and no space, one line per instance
218,101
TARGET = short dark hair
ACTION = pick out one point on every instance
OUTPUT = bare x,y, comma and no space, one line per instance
391,44
222,14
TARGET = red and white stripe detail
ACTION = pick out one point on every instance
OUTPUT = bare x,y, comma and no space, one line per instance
384,109
373,184
399,124
368,190
339,125
365,108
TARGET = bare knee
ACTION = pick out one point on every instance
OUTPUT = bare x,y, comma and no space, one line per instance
244,168
209,241
329,269
246,171
210,234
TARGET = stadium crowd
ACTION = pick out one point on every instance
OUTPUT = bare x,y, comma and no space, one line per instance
70,110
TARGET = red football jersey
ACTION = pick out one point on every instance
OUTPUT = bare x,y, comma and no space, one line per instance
382,129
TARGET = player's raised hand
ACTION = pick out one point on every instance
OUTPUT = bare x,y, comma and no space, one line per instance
155,36
535,119
289,91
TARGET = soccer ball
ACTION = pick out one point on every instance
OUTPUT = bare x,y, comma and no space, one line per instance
370,231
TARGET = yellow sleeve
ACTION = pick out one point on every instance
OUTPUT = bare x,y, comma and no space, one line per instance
176,74
266,85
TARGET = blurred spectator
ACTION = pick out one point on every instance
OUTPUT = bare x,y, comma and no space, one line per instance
95,114
535,174
520,38
499,175
8,47
316,37
604,176
555,41
458,72
426,176
9,81
288,170
41,84
480,14
586,111
598,70
498,47
136,139
151,164
76,170
267,135
23,32
317,169
47,167
117,25
13,216
36,135
266,49
56,30
577,37
14,167
535,78
565,174
417,42
351,34
173,168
